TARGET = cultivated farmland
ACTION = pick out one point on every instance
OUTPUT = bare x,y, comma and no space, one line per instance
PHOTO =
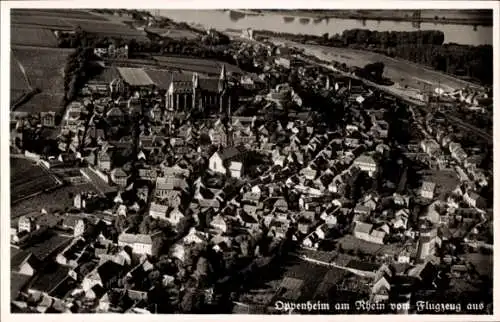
58,13
173,33
44,67
17,79
18,83
109,29
32,37
46,22
42,102
27,178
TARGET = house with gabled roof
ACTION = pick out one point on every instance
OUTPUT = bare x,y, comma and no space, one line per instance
24,263
119,177
158,211
104,160
248,219
105,275
427,190
148,174
228,161
194,237
251,197
367,164
166,184
281,205
219,224
140,243
175,217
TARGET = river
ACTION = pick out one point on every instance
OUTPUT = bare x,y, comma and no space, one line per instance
223,20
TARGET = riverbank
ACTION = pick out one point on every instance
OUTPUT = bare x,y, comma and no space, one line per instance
450,16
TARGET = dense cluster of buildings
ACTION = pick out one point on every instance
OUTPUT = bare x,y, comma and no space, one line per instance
181,203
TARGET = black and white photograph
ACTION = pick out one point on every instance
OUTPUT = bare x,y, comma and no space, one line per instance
249,161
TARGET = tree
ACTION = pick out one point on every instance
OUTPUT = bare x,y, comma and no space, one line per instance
144,227
201,268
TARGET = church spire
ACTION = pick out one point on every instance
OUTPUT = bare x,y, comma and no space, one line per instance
196,82
222,79
222,76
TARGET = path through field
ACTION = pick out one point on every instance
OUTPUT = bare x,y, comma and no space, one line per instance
21,67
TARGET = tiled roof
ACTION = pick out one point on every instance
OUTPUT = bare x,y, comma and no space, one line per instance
135,238
366,159
17,283
363,227
108,270
230,153
118,173
71,221
158,208
18,259
209,84
248,217
170,183
50,280
135,76
362,266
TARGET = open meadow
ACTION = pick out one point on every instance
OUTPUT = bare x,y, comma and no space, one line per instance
32,37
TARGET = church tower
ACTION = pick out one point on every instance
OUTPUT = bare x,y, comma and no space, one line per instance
222,90
222,79
196,92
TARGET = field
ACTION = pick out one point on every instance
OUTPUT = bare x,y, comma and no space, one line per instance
57,13
32,37
109,29
205,66
399,71
44,68
68,20
27,178
40,21
18,83
42,102
173,33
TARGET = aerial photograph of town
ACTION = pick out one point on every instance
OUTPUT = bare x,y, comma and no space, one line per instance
324,162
